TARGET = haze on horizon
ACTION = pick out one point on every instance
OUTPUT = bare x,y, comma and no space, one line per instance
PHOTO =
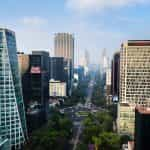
96,24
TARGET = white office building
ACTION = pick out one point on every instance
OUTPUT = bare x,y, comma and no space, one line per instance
57,89
134,80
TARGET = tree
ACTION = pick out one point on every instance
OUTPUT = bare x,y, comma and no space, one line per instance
97,141
124,139
95,124
109,141
98,97
54,135
105,120
82,146
89,132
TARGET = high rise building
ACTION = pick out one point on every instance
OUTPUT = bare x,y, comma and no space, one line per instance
24,62
12,113
142,128
64,47
104,61
134,76
4,144
34,69
60,70
57,69
108,86
39,89
87,58
115,76
24,66
39,70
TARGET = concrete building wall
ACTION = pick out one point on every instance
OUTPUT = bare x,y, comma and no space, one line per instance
134,80
64,45
57,89
23,60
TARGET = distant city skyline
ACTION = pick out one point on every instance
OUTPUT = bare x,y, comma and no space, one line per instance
96,24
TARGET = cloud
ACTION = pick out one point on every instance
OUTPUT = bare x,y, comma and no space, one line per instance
33,20
98,5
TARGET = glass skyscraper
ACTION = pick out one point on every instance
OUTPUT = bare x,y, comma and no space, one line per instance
12,113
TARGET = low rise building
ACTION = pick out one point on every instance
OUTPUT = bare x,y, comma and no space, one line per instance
57,89
126,119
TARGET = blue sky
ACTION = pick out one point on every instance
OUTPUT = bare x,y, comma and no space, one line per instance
96,24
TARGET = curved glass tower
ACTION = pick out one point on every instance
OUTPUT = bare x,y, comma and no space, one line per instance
12,113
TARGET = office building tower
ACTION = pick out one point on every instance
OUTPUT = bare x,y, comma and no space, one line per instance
69,76
142,128
87,58
12,113
39,89
4,144
108,86
58,69
64,46
134,76
24,66
24,62
134,72
82,63
115,76
35,74
39,70
103,62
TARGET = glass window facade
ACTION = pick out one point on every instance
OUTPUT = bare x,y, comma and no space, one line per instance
12,115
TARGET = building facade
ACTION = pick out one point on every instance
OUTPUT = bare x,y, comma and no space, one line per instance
64,47
57,89
24,66
39,72
115,76
142,130
108,86
4,144
34,69
12,113
60,70
57,69
134,74
104,62
24,62
126,115
39,75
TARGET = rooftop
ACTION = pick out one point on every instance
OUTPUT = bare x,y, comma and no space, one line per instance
138,42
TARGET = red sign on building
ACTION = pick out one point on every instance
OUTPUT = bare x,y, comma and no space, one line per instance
35,70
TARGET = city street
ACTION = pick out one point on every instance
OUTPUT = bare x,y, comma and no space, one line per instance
79,112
